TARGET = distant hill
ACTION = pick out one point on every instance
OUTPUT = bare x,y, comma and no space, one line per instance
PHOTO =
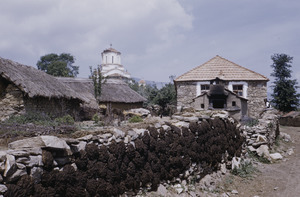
159,85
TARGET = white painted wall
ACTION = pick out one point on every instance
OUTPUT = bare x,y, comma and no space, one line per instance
245,87
198,86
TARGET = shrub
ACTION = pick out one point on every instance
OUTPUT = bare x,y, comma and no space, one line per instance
96,118
135,119
67,119
30,117
246,170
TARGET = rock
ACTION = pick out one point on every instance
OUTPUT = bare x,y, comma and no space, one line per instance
290,151
251,148
182,124
263,150
51,142
180,118
118,133
261,138
78,147
166,128
162,190
10,166
61,161
139,131
21,166
86,138
179,189
132,134
1,178
235,163
2,155
234,191
126,139
138,111
223,168
3,188
276,156
36,174
191,119
16,176
18,153
286,137
34,161
74,166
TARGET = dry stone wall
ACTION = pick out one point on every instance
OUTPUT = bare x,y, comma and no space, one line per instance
119,162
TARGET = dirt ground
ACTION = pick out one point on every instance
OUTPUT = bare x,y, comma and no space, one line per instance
280,179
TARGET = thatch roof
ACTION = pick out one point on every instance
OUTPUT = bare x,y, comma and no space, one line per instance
113,90
223,69
117,91
82,86
35,83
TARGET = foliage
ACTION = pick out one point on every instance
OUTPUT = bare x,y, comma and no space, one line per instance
162,97
58,65
97,77
135,119
67,119
40,119
30,117
285,96
96,118
246,170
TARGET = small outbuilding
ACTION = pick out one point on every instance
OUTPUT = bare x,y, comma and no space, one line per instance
26,89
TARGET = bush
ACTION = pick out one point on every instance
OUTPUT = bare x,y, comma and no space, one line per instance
246,170
67,119
96,118
135,119
30,117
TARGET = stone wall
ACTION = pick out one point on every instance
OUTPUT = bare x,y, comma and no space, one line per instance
257,92
119,162
186,91
11,102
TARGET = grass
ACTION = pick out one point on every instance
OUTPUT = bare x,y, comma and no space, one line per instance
135,119
39,119
245,171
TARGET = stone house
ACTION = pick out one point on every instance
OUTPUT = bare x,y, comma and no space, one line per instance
222,84
26,89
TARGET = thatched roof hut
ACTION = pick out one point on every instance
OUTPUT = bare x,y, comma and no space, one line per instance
114,91
36,83
117,91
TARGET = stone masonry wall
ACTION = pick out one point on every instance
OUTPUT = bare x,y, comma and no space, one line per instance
119,162
186,91
11,102
257,92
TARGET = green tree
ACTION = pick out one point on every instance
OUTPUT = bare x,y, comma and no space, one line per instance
97,78
285,97
58,65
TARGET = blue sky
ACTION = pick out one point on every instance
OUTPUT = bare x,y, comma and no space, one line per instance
157,38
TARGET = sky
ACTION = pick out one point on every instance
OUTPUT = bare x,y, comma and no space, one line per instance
157,38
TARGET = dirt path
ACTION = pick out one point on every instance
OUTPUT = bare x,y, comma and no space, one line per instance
280,179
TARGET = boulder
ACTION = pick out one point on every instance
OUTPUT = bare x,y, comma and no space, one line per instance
50,142
16,175
78,147
118,133
235,163
276,156
36,174
263,150
3,188
162,190
10,166
182,124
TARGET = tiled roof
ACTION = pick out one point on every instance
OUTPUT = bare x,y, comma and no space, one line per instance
221,68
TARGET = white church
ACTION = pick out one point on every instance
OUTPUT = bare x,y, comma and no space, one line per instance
111,64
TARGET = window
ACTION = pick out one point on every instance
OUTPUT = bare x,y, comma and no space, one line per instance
204,88
112,59
233,103
238,89
218,103
202,106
